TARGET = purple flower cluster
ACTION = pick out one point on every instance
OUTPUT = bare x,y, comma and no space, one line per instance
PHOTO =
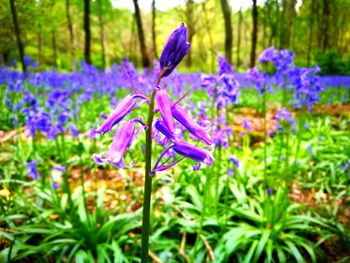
307,87
285,120
175,49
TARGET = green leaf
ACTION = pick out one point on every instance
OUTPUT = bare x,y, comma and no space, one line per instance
252,248
293,250
264,238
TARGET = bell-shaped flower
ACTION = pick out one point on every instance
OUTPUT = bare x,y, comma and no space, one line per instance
193,152
186,150
164,105
121,142
174,50
124,107
160,126
182,116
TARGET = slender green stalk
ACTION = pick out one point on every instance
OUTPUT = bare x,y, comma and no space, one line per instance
299,134
148,178
83,180
217,179
65,174
148,183
265,136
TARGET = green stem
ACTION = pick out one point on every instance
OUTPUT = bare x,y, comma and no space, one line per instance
65,173
83,181
265,135
148,183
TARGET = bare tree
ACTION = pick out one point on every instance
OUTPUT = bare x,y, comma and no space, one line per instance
226,10
208,28
191,26
325,24
40,45
87,49
102,35
239,33
145,59
254,34
71,36
154,42
54,47
310,37
18,34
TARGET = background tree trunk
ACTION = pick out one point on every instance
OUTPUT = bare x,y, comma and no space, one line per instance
102,35
71,37
154,42
190,22
226,10
145,59
87,49
325,24
40,46
239,33
254,34
210,36
310,37
18,34
54,48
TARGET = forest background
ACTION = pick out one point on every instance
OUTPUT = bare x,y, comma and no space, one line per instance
60,33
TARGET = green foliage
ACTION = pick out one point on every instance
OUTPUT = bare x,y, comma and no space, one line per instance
333,63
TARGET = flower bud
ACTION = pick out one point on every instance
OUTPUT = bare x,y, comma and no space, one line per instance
174,50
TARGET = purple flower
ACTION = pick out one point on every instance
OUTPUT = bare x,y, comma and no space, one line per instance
186,150
174,50
32,171
269,191
59,168
121,142
223,66
246,124
195,153
160,126
284,118
124,107
230,172
74,130
55,186
268,55
182,116
234,160
164,105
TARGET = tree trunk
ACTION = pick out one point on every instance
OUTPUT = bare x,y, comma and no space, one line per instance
71,36
54,48
189,54
211,45
154,42
145,59
254,33
40,46
226,10
283,26
276,25
102,36
190,22
18,34
310,38
291,17
239,33
325,24
87,49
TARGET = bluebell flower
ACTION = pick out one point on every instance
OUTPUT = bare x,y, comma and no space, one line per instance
32,169
234,160
174,50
